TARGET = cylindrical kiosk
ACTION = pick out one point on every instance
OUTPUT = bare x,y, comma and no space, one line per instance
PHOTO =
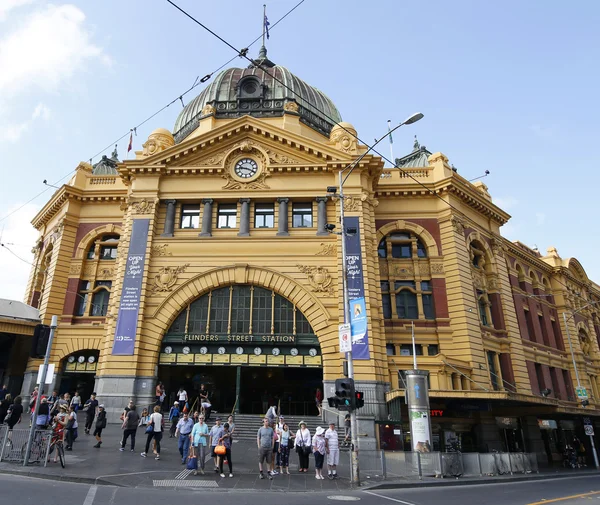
417,394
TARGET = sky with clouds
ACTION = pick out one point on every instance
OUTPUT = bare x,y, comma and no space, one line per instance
510,87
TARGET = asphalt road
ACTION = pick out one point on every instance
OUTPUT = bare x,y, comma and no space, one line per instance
568,491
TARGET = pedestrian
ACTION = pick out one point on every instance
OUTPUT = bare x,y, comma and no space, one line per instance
319,400
129,426
144,417
275,457
231,426
123,415
195,416
174,418
76,401
284,449
4,406
33,399
271,414
333,451
303,446
182,396
225,440
216,432
72,426
90,408
100,425
200,441
43,417
3,392
265,439
318,445
158,392
183,432
347,428
14,413
64,400
59,426
156,422
205,405
52,399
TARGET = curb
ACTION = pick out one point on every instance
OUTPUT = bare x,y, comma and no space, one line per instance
61,478
449,481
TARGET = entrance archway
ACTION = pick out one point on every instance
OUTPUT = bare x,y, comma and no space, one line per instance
79,372
249,345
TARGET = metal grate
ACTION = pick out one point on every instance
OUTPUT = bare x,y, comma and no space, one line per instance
184,483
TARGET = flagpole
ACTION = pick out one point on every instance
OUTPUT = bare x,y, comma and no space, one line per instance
264,25
391,143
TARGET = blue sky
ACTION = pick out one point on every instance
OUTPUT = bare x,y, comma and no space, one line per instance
510,87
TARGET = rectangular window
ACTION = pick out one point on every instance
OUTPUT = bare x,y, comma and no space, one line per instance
190,216
401,250
495,380
529,322
240,309
554,378
262,311
100,299
433,350
264,215
226,216
219,310
567,380
390,349
284,316
82,298
407,350
543,328
481,303
302,215
198,320
406,300
108,252
386,301
427,297
540,377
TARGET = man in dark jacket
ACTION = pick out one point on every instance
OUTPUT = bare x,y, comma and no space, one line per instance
100,425
130,425
90,412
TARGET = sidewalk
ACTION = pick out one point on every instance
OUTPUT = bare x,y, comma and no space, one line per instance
108,465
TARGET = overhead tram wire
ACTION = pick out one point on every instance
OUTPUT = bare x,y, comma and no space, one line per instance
197,83
243,53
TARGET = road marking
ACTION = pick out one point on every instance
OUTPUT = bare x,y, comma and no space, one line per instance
183,474
582,495
395,499
89,499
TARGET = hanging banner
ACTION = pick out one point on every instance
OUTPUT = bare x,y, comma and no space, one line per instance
356,291
131,292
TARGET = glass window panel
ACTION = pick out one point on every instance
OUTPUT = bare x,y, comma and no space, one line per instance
493,372
264,215
428,309
302,215
110,238
90,254
433,349
262,311
198,320
178,325
390,349
219,310
385,286
386,303
100,299
400,236
401,250
407,350
406,305
421,251
108,252
240,309
382,249
284,316
303,327
190,216
425,285
227,215
82,298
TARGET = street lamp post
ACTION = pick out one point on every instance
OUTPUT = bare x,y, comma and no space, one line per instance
341,179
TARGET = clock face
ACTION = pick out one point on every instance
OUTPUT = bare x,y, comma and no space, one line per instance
257,351
71,359
91,359
312,352
276,351
185,350
81,359
246,168
294,351
240,350
168,350
203,350
221,350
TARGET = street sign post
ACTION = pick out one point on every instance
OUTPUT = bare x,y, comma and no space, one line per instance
345,339
589,430
581,393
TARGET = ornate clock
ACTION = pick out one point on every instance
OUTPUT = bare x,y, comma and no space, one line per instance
246,168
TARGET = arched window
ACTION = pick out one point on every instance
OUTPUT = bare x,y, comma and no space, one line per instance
484,305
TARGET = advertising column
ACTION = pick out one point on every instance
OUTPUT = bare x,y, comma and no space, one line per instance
129,306
418,409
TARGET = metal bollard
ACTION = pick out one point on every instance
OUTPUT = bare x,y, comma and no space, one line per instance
383,465
419,465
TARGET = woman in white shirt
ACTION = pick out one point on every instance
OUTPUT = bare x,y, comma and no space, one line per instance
182,396
156,421
76,401
303,446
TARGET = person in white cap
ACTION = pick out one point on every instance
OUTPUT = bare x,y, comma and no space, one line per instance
318,444
333,451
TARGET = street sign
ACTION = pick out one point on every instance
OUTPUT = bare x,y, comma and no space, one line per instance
581,393
49,374
589,429
345,339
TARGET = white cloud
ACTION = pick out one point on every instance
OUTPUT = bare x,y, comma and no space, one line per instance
540,218
506,203
42,54
19,236
7,5
13,132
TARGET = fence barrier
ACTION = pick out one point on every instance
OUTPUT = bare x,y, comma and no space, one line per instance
14,445
400,464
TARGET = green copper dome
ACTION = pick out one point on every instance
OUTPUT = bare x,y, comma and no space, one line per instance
262,90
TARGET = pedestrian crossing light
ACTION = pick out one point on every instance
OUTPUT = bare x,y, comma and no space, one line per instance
345,394
359,399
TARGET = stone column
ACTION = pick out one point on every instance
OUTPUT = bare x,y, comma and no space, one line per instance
282,221
244,218
321,215
170,219
206,218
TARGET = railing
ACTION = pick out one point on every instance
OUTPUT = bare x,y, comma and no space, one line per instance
400,464
299,408
103,180
14,445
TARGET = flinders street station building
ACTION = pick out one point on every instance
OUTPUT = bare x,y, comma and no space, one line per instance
209,258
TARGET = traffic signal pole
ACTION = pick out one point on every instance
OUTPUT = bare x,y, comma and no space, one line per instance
353,420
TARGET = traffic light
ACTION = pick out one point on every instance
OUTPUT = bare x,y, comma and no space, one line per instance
41,334
344,391
585,403
359,399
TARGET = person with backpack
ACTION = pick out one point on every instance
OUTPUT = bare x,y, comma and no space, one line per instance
130,425
100,425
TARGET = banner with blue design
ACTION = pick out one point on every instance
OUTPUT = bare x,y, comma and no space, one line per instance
356,291
129,304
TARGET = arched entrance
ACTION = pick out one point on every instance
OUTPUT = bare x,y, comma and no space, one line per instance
249,345
79,373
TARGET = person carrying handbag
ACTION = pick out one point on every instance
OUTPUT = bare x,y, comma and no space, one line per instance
199,438
303,446
154,432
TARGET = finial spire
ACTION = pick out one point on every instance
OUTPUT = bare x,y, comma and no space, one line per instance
416,145
115,155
